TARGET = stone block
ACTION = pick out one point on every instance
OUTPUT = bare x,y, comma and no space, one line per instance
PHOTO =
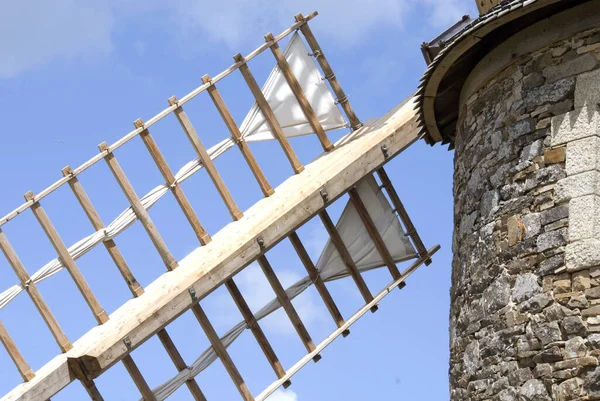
534,390
583,155
581,280
584,219
576,362
554,214
525,287
582,184
572,67
582,254
550,93
551,239
587,89
578,124
555,155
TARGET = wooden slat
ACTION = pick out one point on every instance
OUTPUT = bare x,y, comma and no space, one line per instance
399,207
336,239
176,189
268,114
335,85
287,305
374,233
180,364
204,157
67,260
237,137
92,214
294,85
15,262
15,354
138,208
222,353
253,325
92,390
313,273
138,379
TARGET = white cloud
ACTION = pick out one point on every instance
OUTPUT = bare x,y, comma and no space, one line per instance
283,395
35,32
235,21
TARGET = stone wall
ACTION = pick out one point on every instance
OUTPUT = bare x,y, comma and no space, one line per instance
525,298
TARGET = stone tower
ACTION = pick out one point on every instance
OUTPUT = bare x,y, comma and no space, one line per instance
516,93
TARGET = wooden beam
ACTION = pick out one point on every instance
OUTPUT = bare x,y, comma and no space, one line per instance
294,85
67,260
180,364
374,233
268,114
345,256
175,188
237,137
15,262
317,281
253,325
138,379
16,356
399,207
204,157
287,305
295,202
94,218
222,353
329,75
138,208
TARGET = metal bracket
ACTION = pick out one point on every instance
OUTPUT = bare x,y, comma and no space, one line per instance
316,54
324,195
261,243
385,151
192,292
127,342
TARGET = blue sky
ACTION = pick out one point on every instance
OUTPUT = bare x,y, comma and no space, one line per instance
77,73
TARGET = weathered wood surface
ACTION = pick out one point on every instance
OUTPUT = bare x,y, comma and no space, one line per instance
295,201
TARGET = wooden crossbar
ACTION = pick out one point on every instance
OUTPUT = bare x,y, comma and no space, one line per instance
268,114
339,245
67,260
42,194
314,275
287,305
294,85
214,94
204,157
374,233
138,208
222,353
329,75
96,221
180,364
257,331
16,356
15,262
399,207
138,379
169,178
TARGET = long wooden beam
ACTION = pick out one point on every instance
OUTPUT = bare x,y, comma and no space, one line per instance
295,202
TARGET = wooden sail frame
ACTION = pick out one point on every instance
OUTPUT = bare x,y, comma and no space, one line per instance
278,216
